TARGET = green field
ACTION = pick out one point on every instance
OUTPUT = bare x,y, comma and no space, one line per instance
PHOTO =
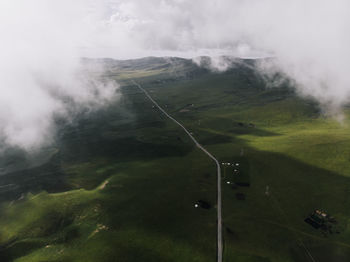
120,183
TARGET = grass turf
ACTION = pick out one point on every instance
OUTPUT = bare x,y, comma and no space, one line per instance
127,178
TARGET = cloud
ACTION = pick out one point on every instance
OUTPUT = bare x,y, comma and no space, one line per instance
40,67
42,41
309,39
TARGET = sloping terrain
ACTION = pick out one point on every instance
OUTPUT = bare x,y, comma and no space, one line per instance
120,183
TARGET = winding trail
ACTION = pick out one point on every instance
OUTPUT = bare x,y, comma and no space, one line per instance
219,217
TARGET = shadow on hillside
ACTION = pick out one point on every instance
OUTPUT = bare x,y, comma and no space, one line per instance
165,208
297,189
88,140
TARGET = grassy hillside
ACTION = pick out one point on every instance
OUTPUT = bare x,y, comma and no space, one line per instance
121,183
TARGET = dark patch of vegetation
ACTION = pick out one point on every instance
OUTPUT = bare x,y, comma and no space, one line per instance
204,204
48,177
240,196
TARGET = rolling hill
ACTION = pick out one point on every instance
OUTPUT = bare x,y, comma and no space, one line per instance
120,183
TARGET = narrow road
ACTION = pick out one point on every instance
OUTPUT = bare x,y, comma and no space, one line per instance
219,218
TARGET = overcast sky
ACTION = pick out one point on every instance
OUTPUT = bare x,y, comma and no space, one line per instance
41,42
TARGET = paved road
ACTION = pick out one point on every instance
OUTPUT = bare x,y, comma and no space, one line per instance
219,219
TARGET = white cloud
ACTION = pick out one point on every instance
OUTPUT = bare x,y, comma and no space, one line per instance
309,39
39,51
42,40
